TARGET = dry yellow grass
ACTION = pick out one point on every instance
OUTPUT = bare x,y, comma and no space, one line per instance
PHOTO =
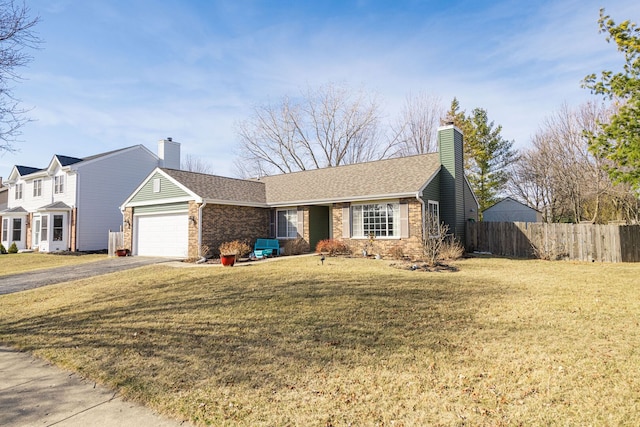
24,262
351,342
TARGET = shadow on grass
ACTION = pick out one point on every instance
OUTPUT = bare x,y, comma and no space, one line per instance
247,328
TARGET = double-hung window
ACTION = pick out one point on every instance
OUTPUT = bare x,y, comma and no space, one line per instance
58,184
5,228
44,228
18,193
287,224
375,219
17,229
57,228
37,188
433,218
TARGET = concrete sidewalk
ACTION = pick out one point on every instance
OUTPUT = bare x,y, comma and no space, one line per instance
35,393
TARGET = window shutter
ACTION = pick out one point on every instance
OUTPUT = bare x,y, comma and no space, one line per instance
346,222
272,224
404,220
300,224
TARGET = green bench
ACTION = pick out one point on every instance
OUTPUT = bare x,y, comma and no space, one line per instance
266,247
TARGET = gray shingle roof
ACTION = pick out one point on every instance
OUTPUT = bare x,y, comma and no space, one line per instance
371,180
56,206
213,187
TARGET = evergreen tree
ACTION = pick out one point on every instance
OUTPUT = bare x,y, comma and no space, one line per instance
619,139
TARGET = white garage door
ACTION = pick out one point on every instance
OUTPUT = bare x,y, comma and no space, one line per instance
165,235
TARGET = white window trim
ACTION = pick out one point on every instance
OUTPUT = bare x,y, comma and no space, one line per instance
431,204
293,224
358,232
156,185
37,188
58,184
18,192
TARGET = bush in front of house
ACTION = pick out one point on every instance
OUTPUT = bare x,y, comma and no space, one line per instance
333,247
235,247
295,247
3,250
13,249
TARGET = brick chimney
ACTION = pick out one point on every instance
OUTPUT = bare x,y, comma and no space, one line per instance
169,153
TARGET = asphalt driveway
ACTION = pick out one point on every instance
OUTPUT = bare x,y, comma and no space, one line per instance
51,276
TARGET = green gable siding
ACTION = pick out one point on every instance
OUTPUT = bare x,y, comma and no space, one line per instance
168,190
452,180
432,190
165,207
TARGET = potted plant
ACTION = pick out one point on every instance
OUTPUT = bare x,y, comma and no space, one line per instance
229,251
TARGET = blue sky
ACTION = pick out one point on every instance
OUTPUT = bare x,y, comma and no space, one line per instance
114,73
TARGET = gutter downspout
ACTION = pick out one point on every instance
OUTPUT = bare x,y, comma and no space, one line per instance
200,216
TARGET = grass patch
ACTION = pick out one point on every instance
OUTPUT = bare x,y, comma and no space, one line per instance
351,342
24,262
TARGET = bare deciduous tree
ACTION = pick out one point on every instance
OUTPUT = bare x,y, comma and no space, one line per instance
16,34
416,129
329,126
195,164
560,176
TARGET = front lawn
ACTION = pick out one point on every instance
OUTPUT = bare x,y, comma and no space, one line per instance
351,342
24,262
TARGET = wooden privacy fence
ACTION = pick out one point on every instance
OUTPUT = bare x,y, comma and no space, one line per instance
580,242
116,241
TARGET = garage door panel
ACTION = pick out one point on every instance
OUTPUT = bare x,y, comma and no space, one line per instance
162,235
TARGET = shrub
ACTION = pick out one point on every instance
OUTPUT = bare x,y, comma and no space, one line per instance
3,250
13,249
396,252
236,247
295,247
333,247
451,249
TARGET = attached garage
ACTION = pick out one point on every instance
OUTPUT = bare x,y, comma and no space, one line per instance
165,235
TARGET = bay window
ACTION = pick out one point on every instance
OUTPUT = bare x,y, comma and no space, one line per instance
57,228
17,230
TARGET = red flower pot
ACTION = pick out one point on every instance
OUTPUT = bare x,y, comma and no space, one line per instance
227,260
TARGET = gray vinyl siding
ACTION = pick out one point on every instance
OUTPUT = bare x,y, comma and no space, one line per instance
168,190
163,208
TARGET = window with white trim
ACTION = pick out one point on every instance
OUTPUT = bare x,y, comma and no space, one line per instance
44,228
5,229
433,218
18,193
287,224
37,188
58,184
17,229
156,185
57,228
375,219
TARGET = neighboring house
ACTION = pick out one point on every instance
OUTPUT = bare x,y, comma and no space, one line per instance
174,213
511,210
74,202
4,197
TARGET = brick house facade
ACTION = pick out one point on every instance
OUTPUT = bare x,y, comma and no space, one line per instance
389,199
